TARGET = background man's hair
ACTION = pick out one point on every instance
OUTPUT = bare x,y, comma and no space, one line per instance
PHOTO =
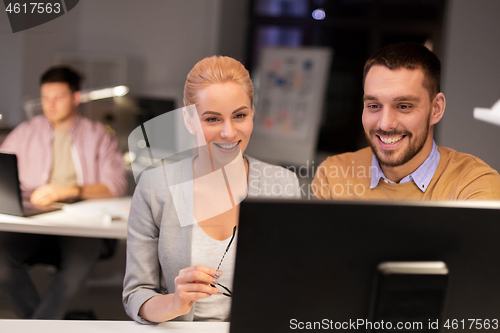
410,56
62,74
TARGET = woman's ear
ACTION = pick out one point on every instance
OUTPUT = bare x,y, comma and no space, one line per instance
438,106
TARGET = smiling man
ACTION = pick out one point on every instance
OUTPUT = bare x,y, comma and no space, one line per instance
61,156
402,103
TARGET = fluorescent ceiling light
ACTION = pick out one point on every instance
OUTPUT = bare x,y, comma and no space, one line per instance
32,106
105,93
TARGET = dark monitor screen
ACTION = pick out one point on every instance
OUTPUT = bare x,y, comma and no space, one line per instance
10,192
149,107
307,261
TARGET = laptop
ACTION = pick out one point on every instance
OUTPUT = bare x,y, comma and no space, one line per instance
12,200
314,265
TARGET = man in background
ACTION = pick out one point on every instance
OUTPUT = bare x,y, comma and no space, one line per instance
61,156
402,103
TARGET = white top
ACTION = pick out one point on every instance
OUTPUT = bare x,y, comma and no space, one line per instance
208,252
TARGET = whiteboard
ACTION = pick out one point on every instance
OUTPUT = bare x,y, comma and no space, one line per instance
291,92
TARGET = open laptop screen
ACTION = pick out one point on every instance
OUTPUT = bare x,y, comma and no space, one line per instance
12,200
10,193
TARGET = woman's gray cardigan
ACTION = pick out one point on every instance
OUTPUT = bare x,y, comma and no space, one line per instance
158,247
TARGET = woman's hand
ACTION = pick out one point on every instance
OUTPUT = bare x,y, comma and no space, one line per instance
192,283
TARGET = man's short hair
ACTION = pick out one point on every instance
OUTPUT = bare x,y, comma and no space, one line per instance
62,74
410,56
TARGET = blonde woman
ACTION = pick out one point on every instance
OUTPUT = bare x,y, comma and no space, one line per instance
184,271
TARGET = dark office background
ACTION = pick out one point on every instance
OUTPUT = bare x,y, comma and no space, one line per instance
154,55
354,29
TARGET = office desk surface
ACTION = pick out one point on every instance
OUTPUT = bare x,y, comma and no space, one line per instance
65,326
71,223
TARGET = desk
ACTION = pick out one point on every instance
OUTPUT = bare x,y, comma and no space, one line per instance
65,326
65,223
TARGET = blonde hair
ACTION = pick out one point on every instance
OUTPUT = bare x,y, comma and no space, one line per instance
216,69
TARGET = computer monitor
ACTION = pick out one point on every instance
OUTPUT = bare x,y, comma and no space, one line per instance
301,262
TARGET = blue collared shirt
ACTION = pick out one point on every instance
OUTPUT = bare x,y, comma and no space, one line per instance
421,177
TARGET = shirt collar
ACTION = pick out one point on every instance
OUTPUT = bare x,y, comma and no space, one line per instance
421,177
71,130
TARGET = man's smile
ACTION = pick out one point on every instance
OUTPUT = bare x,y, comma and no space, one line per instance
390,140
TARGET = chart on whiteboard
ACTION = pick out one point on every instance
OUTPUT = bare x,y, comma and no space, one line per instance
292,84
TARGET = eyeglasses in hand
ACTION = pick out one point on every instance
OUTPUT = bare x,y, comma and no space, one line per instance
228,292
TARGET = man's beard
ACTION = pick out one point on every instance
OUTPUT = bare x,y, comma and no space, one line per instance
415,145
